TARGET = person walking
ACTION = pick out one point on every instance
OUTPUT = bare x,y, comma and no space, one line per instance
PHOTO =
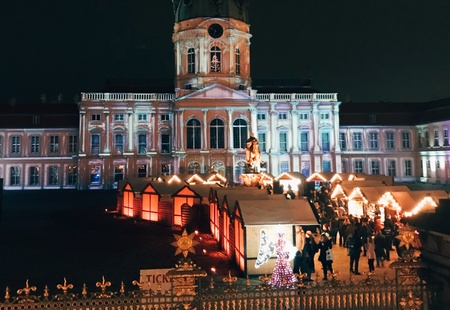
325,255
380,248
370,252
354,245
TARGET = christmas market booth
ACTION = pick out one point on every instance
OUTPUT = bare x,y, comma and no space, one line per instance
257,225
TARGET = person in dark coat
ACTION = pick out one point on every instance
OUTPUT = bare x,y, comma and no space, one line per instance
354,245
380,248
324,246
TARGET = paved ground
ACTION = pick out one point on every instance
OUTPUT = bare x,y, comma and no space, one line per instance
46,236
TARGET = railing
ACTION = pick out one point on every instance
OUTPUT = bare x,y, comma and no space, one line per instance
298,97
167,97
127,97
335,294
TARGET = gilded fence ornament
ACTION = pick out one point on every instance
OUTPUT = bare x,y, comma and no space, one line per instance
411,302
7,295
26,291
64,287
46,292
300,278
84,290
265,279
103,285
230,280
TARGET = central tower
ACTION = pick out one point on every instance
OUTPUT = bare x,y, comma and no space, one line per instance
211,43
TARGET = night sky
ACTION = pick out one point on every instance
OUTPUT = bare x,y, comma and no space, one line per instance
365,50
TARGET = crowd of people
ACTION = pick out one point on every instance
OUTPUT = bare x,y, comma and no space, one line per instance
372,237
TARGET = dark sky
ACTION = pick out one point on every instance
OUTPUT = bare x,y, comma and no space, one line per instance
365,50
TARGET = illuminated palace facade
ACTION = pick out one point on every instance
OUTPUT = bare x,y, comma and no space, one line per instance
203,123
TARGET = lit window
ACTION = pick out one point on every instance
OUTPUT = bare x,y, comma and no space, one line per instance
326,166
142,171
215,59
118,172
95,174
194,168
72,175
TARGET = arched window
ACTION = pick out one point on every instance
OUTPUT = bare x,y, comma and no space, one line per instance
193,134
217,134
215,59
194,168
238,170
191,60
237,56
239,133
219,167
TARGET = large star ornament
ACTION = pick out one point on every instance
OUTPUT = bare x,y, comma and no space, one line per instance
184,243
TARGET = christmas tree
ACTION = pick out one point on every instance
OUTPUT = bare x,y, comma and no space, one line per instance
282,275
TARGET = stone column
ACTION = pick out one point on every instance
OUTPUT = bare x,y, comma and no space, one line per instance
205,130
130,130
107,148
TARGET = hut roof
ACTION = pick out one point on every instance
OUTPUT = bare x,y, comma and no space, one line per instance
287,212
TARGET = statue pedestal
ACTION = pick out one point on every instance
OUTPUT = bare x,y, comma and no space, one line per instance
251,179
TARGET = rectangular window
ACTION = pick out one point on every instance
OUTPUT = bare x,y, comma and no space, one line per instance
427,139
35,144
282,116
438,164
283,142
436,138
406,140
419,139
408,168
372,118
142,171
390,140
54,144
391,168
14,176
303,116
324,116
34,176
326,166
237,60
261,116
262,141
342,141
191,60
142,117
96,117
165,143
373,140
284,166
304,143
118,173
35,119
357,141
325,141
305,168
15,145
95,174
53,178
358,166
445,137
95,144
1,145
142,144
165,117
118,143
375,167
119,117
73,144
72,175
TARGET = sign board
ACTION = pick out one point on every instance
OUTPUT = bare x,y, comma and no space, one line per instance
154,279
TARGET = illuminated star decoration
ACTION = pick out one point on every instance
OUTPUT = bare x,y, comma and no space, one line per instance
184,243
406,236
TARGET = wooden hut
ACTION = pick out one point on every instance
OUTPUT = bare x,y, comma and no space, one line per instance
254,218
